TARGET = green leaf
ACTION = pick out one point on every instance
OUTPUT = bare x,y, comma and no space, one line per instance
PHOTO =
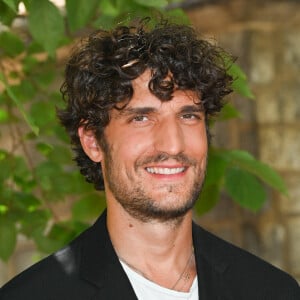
3,209
21,174
244,188
26,185
247,162
37,113
34,220
211,189
13,167
46,172
3,154
20,167
240,83
4,117
7,14
12,4
26,201
64,183
43,79
5,169
79,186
24,91
235,70
29,63
88,207
80,12
19,105
209,197
104,21
60,154
61,134
46,24
44,148
56,99
215,168
56,181
108,9
66,231
123,12
11,44
44,243
8,238
178,16
7,198
241,87
153,3
34,47
228,112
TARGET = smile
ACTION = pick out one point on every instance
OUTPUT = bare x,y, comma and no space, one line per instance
165,171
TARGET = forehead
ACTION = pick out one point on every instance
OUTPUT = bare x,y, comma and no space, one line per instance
142,95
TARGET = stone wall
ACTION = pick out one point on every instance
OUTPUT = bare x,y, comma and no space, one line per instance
265,36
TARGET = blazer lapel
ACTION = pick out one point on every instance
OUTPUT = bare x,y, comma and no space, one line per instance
100,265
211,267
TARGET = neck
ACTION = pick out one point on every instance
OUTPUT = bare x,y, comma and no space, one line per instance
161,251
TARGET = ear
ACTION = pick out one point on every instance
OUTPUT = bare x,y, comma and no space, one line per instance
89,144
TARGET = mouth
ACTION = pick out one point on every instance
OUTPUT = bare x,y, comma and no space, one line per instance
165,171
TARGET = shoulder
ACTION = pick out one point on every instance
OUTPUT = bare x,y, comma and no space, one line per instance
54,274
243,271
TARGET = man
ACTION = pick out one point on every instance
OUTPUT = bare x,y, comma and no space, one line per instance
138,105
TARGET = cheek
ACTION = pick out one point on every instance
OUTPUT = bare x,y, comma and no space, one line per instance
136,143
196,144
129,148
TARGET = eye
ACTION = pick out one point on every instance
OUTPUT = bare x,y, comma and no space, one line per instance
191,116
140,118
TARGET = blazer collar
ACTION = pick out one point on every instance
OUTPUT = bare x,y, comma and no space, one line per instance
100,264
211,264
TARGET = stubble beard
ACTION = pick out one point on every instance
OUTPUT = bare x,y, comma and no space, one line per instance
145,209
135,200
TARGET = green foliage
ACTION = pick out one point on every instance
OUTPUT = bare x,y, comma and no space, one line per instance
240,80
8,237
241,176
46,24
17,101
8,11
12,4
244,188
88,207
11,44
79,13
36,168
245,161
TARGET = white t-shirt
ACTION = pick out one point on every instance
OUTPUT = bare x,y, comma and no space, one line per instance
148,290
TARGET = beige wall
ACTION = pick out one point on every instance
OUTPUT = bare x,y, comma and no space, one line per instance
265,35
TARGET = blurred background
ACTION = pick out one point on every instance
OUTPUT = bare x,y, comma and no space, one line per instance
44,201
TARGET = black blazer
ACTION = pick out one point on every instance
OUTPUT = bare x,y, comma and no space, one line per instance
89,269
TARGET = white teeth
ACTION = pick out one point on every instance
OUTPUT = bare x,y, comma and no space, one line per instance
165,171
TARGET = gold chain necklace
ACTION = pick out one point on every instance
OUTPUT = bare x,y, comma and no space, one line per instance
185,275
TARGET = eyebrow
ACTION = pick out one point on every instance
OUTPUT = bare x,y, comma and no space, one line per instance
137,110
196,108
128,111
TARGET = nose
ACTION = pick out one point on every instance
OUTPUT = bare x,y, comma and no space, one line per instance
169,137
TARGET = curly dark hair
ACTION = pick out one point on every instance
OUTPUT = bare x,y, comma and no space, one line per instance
99,73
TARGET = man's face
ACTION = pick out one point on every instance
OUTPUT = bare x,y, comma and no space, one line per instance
154,159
